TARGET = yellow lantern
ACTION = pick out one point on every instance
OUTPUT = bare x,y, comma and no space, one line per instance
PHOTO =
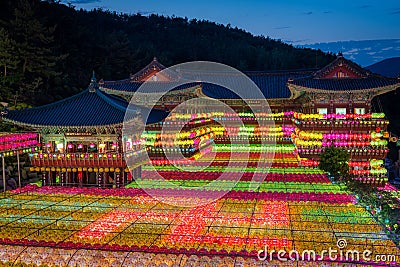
117,170
58,169
106,170
74,170
53,169
47,169
111,169
63,169
95,170
90,170
101,170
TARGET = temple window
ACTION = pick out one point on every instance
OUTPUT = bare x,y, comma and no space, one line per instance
322,111
102,148
341,111
359,111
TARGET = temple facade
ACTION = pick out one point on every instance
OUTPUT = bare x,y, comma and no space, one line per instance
82,141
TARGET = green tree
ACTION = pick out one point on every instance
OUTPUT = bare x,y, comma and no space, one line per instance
7,54
34,48
335,161
8,65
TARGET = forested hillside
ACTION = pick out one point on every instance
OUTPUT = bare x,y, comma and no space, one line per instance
48,50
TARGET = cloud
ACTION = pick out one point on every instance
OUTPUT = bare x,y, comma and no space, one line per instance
301,41
84,1
395,11
387,48
308,13
282,28
327,12
352,51
143,13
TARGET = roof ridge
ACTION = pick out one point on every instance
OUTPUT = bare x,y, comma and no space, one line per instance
342,60
154,64
109,100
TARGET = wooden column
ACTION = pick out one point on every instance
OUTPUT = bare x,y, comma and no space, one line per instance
100,179
63,178
119,182
4,174
45,178
19,172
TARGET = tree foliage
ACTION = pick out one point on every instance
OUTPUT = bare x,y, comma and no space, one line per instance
384,206
335,161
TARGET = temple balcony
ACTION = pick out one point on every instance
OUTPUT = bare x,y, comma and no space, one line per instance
88,160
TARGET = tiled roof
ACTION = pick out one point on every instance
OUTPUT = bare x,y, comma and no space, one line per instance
152,66
341,61
345,84
87,108
130,87
271,84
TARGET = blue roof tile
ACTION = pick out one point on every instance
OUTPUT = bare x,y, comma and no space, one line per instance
345,84
271,84
84,109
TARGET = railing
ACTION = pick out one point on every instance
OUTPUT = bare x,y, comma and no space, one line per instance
79,160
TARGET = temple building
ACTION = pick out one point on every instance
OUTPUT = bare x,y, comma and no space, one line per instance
82,140
81,136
